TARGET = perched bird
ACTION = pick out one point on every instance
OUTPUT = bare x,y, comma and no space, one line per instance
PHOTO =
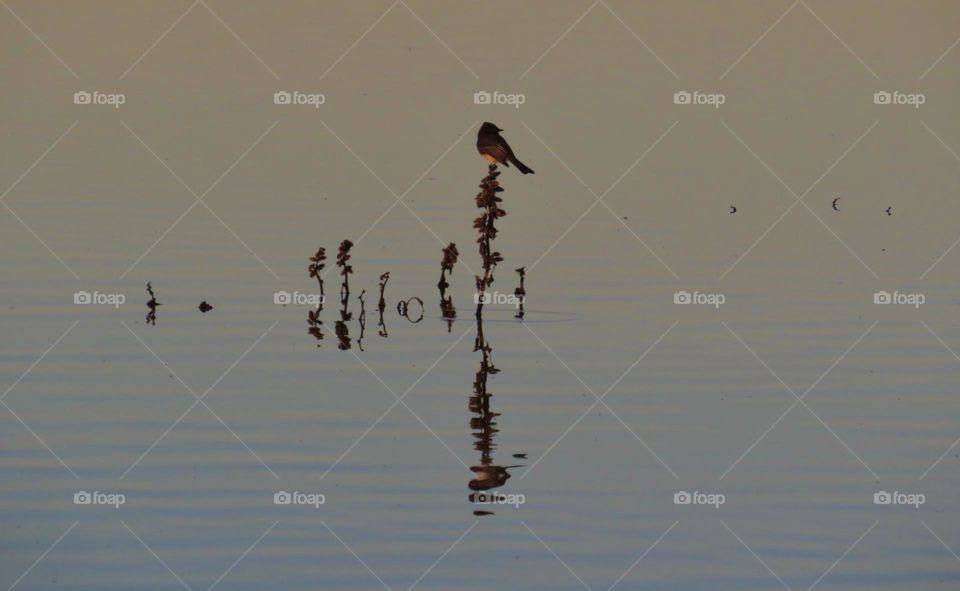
494,148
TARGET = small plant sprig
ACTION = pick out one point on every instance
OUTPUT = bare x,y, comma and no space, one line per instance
152,305
520,292
488,200
450,256
316,265
314,322
343,255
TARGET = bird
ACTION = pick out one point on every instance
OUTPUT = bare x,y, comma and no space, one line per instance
835,208
733,209
889,210
494,148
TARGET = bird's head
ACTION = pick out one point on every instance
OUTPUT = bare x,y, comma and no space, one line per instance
488,127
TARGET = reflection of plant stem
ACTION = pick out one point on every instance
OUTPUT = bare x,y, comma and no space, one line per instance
362,319
521,292
488,200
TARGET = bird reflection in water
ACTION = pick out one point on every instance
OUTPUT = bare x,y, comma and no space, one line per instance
487,474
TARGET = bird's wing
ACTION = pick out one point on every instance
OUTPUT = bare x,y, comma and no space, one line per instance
494,149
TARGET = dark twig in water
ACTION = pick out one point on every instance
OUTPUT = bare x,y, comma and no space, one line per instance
520,292
448,311
316,265
343,255
152,304
450,255
488,200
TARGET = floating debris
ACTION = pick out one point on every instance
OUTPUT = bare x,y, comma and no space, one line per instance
205,307
403,309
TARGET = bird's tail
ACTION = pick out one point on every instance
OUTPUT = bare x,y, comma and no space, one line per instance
522,167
